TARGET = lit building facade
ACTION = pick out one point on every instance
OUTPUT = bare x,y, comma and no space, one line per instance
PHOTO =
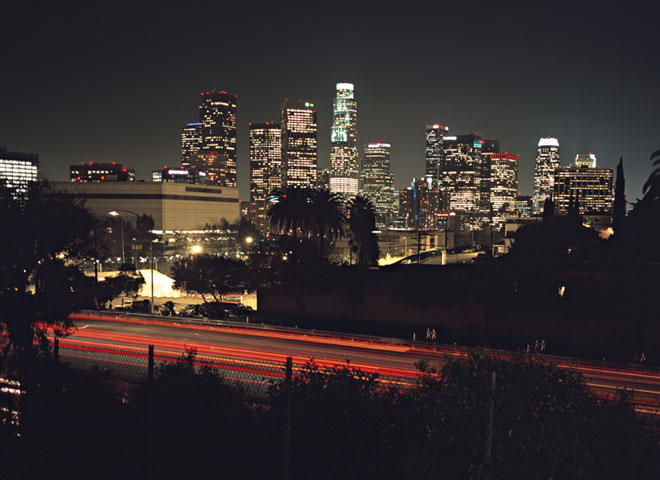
585,160
299,144
323,179
547,163
377,181
101,172
420,206
434,136
18,170
524,204
180,175
265,168
503,186
191,143
218,118
344,173
465,178
588,188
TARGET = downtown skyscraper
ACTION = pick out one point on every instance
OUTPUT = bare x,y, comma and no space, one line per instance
299,144
191,143
434,135
503,186
465,178
210,145
547,164
377,181
344,170
265,168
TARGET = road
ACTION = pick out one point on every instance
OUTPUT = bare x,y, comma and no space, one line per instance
269,348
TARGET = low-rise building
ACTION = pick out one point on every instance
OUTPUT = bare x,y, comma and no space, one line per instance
173,206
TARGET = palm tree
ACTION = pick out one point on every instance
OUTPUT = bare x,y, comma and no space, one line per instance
329,219
651,188
362,223
308,213
290,211
644,217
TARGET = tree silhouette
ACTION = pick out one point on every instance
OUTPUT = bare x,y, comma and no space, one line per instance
209,275
308,213
362,223
619,217
644,217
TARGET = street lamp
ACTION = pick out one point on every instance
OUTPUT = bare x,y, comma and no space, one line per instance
115,213
196,249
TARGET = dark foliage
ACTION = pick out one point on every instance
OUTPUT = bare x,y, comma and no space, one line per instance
209,275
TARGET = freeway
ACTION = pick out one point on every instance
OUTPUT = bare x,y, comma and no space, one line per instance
387,357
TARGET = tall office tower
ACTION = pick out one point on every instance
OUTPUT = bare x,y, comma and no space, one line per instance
434,135
217,114
344,173
547,163
585,160
299,128
465,178
377,181
265,168
17,170
503,186
101,172
191,143
585,186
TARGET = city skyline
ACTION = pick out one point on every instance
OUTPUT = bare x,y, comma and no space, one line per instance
138,90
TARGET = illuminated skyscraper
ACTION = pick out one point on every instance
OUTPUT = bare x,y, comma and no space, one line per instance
191,143
434,135
377,181
547,163
299,144
503,185
465,178
585,186
218,117
265,167
17,170
344,173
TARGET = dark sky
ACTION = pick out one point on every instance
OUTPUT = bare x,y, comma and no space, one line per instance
116,81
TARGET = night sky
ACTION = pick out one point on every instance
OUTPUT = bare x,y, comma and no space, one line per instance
116,82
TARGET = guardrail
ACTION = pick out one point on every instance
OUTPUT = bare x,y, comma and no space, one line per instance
248,325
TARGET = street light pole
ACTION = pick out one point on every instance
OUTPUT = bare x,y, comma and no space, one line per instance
115,213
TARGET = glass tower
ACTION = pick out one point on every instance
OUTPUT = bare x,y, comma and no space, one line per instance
299,144
344,174
465,178
434,135
218,118
265,167
377,181
547,164
503,186
191,142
